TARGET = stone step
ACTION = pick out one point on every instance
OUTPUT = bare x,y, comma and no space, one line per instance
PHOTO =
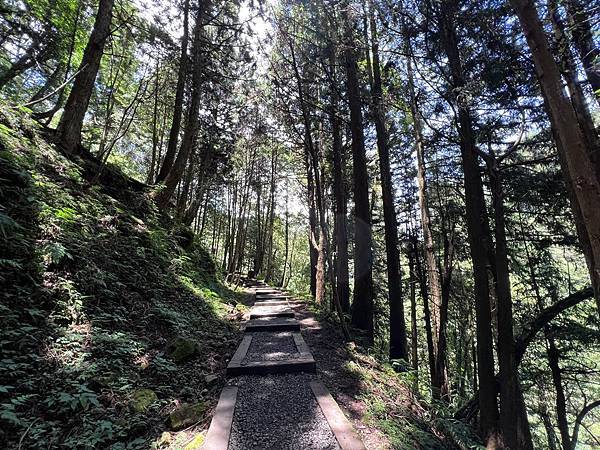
272,324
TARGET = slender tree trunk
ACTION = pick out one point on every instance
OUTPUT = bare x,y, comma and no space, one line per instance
193,122
179,94
548,426
341,231
440,307
426,310
398,344
412,281
508,379
576,164
568,68
478,239
71,122
579,22
286,237
561,402
149,177
362,306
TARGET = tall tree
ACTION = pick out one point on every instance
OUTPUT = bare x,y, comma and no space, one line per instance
362,305
577,167
398,343
71,122
179,94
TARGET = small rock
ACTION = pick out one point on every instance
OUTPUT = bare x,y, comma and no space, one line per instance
142,399
210,379
180,349
186,415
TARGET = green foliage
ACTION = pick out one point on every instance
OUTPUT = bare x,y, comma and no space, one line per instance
94,292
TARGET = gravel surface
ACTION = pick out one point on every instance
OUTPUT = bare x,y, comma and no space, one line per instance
279,412
271,347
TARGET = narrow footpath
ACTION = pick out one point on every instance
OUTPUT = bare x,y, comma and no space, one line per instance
274,399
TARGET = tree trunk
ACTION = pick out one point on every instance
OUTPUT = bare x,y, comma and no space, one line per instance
576,165
193,122
412,281
362,306
150,176
341,231
579,22
561,403
71,122
568,68
439,380
478,239
179,94
426,310
397,338
508,378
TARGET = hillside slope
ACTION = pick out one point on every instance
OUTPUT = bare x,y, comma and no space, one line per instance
110,320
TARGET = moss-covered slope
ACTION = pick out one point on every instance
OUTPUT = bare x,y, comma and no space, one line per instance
97,295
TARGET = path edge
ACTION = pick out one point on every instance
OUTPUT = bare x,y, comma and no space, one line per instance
342,429
217,437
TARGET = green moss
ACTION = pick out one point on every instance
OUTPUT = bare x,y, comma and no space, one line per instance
186,415
143,399
181,349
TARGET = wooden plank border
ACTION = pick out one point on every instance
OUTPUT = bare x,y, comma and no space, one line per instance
219,430
240,353
341,427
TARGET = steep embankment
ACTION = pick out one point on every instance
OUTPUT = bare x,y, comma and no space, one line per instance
110,319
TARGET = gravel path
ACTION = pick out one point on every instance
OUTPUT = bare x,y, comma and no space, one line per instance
279,412
271,347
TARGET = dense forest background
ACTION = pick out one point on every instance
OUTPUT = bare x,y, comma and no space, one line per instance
428,171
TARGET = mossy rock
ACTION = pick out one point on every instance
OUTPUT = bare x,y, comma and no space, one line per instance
184,236
196,443
142,399
186,415
181,349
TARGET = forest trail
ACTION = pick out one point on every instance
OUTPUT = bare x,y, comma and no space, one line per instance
274,398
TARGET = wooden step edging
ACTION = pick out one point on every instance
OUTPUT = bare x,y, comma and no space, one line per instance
305,363
281,313
277,324
219,430
342,429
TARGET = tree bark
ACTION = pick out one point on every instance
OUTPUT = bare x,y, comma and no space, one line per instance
362,306
478,238
341,230
71,122
576,165
561,402
439,379
579,21
193,120
179,94
397,338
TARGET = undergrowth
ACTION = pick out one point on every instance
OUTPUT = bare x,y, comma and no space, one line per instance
95,284
392,400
